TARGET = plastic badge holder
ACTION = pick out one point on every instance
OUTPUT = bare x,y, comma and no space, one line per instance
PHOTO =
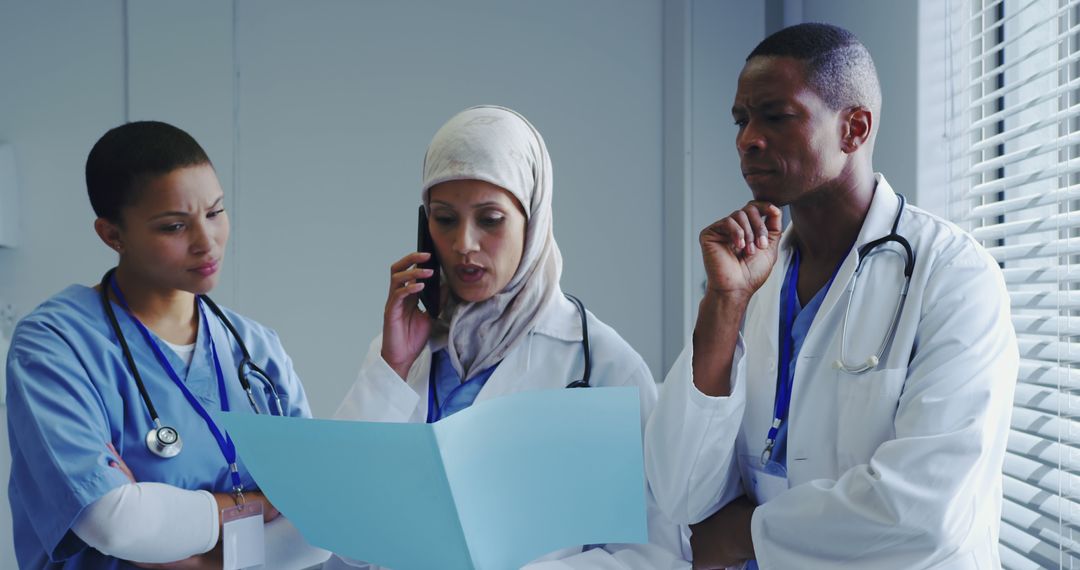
243,538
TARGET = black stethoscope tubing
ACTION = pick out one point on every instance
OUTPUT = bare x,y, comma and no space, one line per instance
584,382
895,237
155,434
865,252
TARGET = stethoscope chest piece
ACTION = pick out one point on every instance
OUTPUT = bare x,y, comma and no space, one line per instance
164,441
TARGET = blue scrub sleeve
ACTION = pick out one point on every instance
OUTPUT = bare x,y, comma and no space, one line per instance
58,431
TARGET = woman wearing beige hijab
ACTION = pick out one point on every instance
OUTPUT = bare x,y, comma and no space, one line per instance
505,324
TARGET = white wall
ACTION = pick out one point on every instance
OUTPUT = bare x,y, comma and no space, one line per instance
721,43
705,45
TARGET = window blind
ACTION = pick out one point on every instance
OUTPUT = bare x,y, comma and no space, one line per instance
1014,168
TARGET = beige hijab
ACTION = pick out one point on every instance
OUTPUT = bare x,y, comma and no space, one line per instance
497,145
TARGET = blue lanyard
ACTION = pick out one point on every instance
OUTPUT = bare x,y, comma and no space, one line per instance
432,411
225,443
784,381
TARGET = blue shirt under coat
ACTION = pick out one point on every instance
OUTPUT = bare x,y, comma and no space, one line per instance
804,317
453,394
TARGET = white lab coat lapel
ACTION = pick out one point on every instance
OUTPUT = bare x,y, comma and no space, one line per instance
509,374
814,386
514,373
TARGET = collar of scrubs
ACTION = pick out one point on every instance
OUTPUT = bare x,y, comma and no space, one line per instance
224,442
459,396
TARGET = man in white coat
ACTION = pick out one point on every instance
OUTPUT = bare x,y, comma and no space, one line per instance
813,422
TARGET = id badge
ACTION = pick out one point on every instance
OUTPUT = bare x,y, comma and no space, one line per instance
762,482
243,539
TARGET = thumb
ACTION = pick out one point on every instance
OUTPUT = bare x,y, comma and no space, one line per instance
774,219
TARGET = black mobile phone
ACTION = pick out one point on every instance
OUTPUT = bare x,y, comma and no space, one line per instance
430,295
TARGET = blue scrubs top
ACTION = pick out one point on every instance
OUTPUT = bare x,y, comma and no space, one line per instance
70,393
453,394
804,316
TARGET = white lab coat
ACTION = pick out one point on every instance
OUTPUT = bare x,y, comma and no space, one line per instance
548,359
896,468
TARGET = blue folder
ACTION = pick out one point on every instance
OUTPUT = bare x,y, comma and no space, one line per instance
492,487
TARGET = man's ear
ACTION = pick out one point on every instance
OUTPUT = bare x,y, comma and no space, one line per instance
109,234
858,123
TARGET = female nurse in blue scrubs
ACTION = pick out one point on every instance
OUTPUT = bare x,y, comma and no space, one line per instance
116,460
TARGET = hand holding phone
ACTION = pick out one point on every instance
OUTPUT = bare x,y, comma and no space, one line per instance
431,294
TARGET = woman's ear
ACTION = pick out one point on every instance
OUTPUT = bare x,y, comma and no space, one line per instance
858,124
109,234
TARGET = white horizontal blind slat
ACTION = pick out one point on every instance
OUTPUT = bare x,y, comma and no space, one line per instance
1023,181
1027,202
1017,184
1011,110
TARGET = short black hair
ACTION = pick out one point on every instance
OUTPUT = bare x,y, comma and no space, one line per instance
838,66
123,158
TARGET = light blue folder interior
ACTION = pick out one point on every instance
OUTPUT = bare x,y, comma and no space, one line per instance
491,487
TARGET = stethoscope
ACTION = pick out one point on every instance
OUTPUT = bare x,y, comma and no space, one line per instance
162,440
587,373
865,252
433,393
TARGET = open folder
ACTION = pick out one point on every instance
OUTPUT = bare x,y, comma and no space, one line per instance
492,487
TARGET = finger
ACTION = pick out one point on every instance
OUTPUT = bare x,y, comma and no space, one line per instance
413,274
774,217
757,223
119,464
409,260
403,278
722,232
734,232
740,218
400,296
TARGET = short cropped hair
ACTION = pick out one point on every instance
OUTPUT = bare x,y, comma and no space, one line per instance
838,66
126,156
